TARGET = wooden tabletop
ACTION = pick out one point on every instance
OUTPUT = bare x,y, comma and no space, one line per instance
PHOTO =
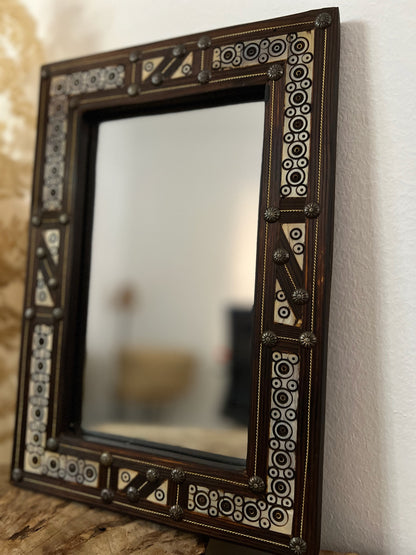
36,523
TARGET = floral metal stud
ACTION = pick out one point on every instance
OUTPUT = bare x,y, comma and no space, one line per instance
29,313
271,214
178,475
57,313
176,512
107,495
63,219
52,283
300,296
204,76
179,50
106,458
323,20
36,221
307,339
280,256
298,545
51,444
133,89
152,475
256,484
133,493
17,474
269,339
204,42
40,252
275,72
157,78
45,73
312,210
134,56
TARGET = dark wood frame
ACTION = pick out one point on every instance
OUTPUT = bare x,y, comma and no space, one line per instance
271,501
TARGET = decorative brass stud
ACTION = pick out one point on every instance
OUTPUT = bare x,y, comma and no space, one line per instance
74,102
298,545
179,50
134,56
271,214
323,20
275,72
157,78
36,221
29,313
152,475
63,219
106,458
40,252
52,283
204,42
269,339
107,495
133,89
307,339
312,210
17,474
51,444
57,313
204,77
256,484
280,256
176,512
45,73
178,475
133,493
300,296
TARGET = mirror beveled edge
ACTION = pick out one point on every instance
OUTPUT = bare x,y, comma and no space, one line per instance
273,503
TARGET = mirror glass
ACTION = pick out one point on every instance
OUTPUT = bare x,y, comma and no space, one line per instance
172,277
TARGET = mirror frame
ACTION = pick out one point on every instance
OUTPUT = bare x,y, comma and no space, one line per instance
271,501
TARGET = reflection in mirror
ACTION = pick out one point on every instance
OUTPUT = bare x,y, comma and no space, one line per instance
172,277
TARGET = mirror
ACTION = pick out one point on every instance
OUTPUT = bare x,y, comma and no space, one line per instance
173,259
89,304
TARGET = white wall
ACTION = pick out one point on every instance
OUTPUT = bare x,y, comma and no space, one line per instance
369,501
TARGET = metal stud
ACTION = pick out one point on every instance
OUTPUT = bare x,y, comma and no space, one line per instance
178,475
74,102
307,339
52,283
107,495
179,50
323,20
133,493
312,210
57,313
133,89
45,73
275,72
134,56
204,42
106,458
280,256
157,78
40,252
204,76
36,221
256,484
63,219
152,475
298,545
29,313
271,214
269,339
17,474
51,444
176,512
300,296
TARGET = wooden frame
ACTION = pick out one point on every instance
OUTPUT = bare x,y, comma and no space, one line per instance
271,501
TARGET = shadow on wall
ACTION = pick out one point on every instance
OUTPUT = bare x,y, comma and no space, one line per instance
354,504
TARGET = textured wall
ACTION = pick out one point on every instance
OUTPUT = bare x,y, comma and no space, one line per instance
369,501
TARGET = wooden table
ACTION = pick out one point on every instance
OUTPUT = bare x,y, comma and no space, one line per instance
39,524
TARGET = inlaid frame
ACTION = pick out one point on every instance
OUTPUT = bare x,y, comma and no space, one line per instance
272,500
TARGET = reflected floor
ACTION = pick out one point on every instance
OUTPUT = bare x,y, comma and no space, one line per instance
231,443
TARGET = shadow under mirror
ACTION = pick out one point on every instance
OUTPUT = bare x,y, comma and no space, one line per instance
172,278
